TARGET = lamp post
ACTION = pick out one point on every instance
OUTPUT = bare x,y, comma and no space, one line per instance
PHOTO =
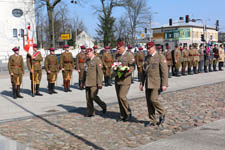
150,25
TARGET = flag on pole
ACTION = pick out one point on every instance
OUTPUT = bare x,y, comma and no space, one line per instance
29,42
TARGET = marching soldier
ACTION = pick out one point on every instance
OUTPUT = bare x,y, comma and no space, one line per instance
196,59
185,55
107,60
80,60
211,57
216,57
123,83
67,66
95,48
93,82
190,59
52,69
16,71
140,57
177,60
155,79
221,57
168,56
35,68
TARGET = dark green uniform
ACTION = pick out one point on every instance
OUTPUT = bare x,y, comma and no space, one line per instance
67,66
16,71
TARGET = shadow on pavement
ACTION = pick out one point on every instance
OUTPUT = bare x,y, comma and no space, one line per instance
89,143
109,114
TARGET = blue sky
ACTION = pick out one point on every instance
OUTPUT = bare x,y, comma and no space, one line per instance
199,9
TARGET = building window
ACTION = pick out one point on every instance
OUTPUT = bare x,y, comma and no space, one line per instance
14,32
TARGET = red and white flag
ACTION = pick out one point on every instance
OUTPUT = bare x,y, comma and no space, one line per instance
29,42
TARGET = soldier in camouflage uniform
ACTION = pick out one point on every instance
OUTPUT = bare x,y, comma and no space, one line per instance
35,68
16,71
67,66
52,69
107,60
80,60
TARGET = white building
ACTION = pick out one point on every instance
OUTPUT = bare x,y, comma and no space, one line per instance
15,16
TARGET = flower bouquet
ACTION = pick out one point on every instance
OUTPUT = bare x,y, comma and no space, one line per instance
120,69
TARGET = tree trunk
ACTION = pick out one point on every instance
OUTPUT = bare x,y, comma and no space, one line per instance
51,26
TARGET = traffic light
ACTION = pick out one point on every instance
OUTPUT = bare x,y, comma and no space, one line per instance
145,30
217,25
187,18
202,38
170,22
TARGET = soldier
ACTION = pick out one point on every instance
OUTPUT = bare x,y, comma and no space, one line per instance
35,68
216,57
52,69
221,57
122,84
16,71
67,66
155,79
190,60
210,58
140,57
95,48
201,58
159,49
177,60
206,59
196,59
107,60
93,82
130,51
80,60
168,56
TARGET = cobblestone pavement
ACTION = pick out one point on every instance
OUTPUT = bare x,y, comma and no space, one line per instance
73,131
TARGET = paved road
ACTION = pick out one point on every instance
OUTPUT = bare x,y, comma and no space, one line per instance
47,104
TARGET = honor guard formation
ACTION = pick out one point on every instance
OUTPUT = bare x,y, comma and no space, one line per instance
154,66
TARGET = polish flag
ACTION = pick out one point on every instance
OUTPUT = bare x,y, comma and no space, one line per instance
29,42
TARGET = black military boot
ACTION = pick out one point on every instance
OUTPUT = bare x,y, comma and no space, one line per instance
110,81
65,86
68,86
49,88
106,81
195,70
205,69
37,90
214,67
210,68
53,88
177,73
14,91
18,92
32,90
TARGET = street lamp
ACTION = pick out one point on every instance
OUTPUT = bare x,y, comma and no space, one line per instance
150,25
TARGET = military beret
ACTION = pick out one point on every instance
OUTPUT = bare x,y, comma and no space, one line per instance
107,47
95,47
82,47
140,48
159,47
150,44
120,44
51,49
181,48
15,49
35,45
66,46
89,50
130,47
168,47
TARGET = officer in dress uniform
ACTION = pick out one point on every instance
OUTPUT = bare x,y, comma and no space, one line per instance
130,51
168,56
93,82
16,71
107,60
95,48
185,55
155,79
67,66
80,60
35,68
139,58
52,69
123,83
177,60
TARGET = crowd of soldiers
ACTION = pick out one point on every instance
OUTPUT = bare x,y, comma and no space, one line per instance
193,60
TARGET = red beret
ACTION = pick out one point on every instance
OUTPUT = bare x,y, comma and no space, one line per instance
130,47
89,50
140,48
82,47
181,48
51,49
159,47
66,46
95,47
168,47
15,49
35,45
120,44
150,44
107,47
